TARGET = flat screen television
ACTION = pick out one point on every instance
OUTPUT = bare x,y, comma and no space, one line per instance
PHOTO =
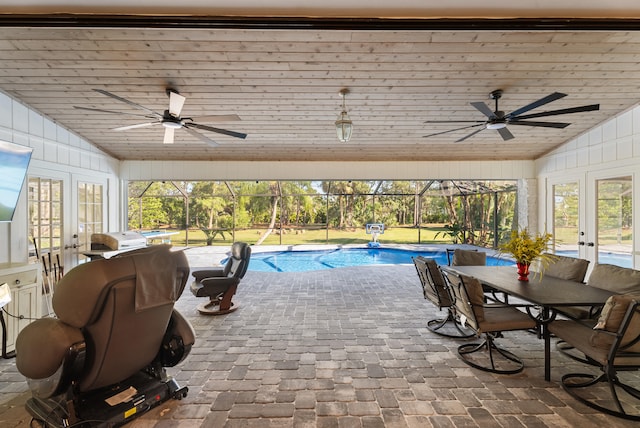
14,162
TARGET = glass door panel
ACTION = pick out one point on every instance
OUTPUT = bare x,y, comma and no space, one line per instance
614,236
90,219
46,227
566,218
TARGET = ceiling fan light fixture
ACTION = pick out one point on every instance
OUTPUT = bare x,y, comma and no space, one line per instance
344,125
171,124
496,125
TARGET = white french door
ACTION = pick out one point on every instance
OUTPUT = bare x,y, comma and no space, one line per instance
610,228
592,216
89,216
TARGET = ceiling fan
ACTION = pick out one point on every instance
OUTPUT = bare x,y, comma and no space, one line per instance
498,120
171,119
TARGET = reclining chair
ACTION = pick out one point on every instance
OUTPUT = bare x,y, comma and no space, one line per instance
220,284
102,361
435,290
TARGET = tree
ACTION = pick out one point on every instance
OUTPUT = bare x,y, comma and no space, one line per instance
151,215
275,191
211,208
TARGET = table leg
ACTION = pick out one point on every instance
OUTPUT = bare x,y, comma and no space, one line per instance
544,317
547,344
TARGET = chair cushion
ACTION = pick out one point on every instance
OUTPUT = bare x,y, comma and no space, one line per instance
613,312
438,282
469,258
610,319
569,268
615,278
581,336
577,312
505,318
476,296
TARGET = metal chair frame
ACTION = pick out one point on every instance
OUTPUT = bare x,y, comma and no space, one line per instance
624,347
436,292
509,363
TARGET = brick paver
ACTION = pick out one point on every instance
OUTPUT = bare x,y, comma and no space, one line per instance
343,348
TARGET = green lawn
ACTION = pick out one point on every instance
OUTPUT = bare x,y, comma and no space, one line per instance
398,235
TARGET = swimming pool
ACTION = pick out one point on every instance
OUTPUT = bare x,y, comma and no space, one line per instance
301,261
618,259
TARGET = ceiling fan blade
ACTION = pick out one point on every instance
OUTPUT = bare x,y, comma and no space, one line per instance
139,125
126,101
99,110
580,109
505,134
484,109
542,101
452,130
200,136
217,118
176,102
168,135
469,135
454,121
540,124
218,130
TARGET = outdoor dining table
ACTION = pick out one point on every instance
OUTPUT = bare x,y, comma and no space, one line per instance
543,291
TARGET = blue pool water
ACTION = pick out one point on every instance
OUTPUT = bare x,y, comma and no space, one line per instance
618,259
301,261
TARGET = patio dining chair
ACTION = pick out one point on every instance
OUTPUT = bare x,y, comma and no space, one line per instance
434,289
488,320
613,345
461,257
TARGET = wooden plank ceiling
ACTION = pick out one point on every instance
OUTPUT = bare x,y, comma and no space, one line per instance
284,86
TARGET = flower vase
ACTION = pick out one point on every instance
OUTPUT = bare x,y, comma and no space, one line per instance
523,271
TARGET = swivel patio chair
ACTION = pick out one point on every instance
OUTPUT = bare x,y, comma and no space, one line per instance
220,284
102,361
488,320
613,345
434,289
460,257
571,269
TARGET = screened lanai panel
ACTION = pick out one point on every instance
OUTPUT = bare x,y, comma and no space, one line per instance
392,187
310,211
301,187
469,187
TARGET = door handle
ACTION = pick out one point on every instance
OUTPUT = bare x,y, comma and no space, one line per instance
67,247
581,243
591,244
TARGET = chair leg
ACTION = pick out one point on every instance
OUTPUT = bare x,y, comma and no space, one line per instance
220,304
436,324
508,364
570,383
